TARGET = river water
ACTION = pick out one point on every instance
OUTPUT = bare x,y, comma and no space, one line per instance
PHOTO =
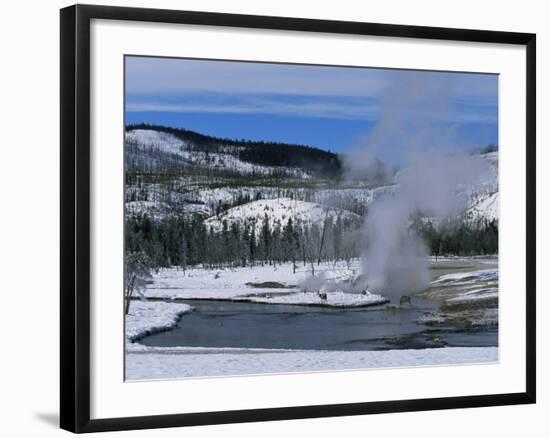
220,324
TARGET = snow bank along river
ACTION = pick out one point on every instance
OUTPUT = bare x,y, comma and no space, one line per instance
193,337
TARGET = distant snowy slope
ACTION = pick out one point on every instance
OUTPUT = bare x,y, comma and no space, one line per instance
488,182
279,211
486,207
227,159
492,157
204,179
484,195
147,138
342,198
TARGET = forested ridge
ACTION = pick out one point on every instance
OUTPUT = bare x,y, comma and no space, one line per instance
311,159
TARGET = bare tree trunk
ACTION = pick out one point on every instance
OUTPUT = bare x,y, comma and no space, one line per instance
322,239
128,294
127,303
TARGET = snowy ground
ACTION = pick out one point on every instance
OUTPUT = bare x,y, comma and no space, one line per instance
174,364
147,317
334,299
264,284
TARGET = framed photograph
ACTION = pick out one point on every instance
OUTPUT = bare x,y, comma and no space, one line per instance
268,218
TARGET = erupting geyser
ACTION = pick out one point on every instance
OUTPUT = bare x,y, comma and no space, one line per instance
433,183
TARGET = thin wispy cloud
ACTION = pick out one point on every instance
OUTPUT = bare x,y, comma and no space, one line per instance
344,108
311,110
264,105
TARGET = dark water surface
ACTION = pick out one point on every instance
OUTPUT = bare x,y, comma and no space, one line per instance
250,325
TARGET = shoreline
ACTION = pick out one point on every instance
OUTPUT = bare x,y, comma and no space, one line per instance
253,301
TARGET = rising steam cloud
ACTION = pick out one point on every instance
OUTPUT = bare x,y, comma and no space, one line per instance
434,183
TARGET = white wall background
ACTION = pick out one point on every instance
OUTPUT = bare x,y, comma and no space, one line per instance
29,236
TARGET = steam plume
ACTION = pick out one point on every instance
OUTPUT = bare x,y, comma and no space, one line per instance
434,184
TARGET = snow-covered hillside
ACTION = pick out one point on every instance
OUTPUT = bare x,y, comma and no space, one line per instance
278,211
146,139
486,207
208,194
487,183
483,196
195,197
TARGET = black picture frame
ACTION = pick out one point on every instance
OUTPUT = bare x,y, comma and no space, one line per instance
75,217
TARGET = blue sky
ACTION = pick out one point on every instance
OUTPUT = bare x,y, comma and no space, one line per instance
334,108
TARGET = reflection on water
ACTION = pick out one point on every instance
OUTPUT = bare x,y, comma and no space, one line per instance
251,325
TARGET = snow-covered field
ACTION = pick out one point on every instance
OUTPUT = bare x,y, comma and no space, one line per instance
334,299
281,285
263,284
154,364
